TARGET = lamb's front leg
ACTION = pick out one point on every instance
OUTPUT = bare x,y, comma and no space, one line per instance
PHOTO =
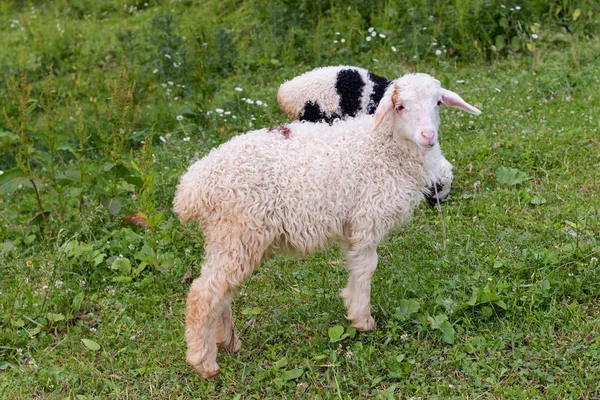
361,264
442,185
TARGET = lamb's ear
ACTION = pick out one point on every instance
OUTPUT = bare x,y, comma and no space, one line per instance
452,99
386,105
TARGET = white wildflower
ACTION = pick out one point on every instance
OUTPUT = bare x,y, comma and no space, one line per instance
20,352
371,29
82,283
155,71
170,83
438,52
131,246
249,101
186,139
394,49
259,103
517,8
343,40
219,110
381,35
179,118
373,33
239,89
337,33
534,36
335,41
368,39
168,56
58,284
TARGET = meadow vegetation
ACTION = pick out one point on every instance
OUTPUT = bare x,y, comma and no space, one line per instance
105,103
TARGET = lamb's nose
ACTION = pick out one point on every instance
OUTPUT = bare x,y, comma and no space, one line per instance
428,134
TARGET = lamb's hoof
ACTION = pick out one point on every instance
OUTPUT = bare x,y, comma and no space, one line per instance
232,346
442,194
364,325
211,374
204,368
208,372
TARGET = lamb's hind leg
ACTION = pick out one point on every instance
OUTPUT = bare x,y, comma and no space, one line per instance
361,263
226,337
204,303
209,322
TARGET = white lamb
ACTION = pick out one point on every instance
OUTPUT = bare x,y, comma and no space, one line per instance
329,93
299,187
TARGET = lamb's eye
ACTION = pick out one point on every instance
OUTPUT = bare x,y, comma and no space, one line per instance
399,108
439,103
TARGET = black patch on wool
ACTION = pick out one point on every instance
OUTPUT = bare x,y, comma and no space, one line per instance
380,83
430,194
312,113
349,85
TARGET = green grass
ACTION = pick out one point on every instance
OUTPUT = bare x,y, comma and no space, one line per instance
508,309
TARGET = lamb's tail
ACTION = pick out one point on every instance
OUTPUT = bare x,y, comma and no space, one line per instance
186,203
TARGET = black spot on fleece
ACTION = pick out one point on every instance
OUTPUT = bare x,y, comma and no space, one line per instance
380,83
313,113
349,85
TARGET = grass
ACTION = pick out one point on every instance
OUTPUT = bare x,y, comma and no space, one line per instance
92,301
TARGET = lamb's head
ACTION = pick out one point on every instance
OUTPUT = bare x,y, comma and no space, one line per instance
412,104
